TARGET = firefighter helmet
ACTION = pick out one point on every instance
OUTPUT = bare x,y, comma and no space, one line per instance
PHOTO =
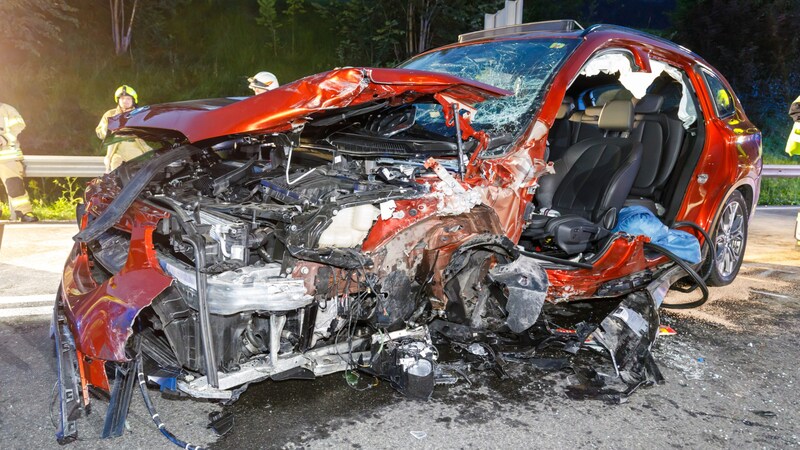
263,80
126,90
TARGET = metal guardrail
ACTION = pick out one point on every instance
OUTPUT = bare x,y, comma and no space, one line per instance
63,166
92,166
781,171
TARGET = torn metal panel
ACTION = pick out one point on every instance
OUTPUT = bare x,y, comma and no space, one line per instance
628,333
622,256
526,284
323,226
293,104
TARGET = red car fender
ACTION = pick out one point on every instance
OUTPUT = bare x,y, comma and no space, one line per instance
101,316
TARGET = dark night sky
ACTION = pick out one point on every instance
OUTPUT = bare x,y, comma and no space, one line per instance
653,14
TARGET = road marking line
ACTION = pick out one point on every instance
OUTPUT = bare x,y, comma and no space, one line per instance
776,208
43,298
21,312
771,294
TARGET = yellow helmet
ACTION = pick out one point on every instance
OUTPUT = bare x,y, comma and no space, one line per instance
126,90
723,99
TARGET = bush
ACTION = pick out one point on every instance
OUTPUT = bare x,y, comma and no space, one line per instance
53,200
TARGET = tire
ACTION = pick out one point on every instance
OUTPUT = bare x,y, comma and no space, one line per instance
729,241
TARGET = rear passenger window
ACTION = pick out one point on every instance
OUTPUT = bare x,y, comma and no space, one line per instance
723,100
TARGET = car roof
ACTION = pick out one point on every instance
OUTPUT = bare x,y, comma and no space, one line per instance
570,29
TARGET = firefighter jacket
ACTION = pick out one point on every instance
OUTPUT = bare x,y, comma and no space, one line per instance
119,151
793,143
11,125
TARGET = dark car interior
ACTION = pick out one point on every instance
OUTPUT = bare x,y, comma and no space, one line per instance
611,150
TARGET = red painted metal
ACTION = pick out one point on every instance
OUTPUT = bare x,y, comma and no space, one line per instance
290,105
731,155
101,315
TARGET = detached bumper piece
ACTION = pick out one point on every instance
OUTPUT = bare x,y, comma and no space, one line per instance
69,387
121,393
628,333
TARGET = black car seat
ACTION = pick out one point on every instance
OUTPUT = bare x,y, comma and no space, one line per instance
661,137
560,136
590,185
585,124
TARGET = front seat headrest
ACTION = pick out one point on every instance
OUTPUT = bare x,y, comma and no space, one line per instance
649,104
617,115
593,111
567,105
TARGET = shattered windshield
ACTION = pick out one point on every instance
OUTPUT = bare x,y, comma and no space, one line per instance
524,67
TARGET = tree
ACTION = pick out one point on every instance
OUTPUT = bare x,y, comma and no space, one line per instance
28,24
268,18
420,15
752,42
372,32
293,9
754,45
121,38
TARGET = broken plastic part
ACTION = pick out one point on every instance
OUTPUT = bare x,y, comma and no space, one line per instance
121,393
526,283
68,382
409,365
349,227
220,423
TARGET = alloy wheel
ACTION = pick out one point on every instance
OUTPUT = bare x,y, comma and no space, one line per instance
730,239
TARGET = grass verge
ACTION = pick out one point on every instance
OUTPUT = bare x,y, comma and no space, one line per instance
780,191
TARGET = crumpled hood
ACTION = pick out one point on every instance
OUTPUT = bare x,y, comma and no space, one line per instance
293,104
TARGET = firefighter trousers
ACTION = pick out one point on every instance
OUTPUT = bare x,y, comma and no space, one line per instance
11,171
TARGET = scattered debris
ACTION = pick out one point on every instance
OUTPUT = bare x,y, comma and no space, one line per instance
420,435
409,365
666,330
221,423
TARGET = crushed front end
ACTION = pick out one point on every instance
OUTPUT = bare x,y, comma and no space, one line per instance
330,231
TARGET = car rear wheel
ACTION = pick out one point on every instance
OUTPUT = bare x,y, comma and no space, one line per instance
730,239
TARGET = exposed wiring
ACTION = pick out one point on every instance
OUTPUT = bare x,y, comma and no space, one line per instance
289,163
152,410
707,242
677,260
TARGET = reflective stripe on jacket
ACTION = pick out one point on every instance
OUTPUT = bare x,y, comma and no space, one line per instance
119,151
793,143
11,125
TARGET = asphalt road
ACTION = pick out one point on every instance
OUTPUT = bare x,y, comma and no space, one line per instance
731,378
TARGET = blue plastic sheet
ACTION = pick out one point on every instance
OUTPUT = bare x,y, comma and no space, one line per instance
638,220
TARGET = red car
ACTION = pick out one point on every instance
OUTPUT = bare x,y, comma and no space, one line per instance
342,221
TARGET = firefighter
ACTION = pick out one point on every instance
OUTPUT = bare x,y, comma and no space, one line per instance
119,151
793,144
11,169
263,82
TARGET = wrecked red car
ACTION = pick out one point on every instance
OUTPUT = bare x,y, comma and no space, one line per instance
345,220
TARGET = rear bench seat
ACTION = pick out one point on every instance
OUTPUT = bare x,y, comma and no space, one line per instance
661,137
570,127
